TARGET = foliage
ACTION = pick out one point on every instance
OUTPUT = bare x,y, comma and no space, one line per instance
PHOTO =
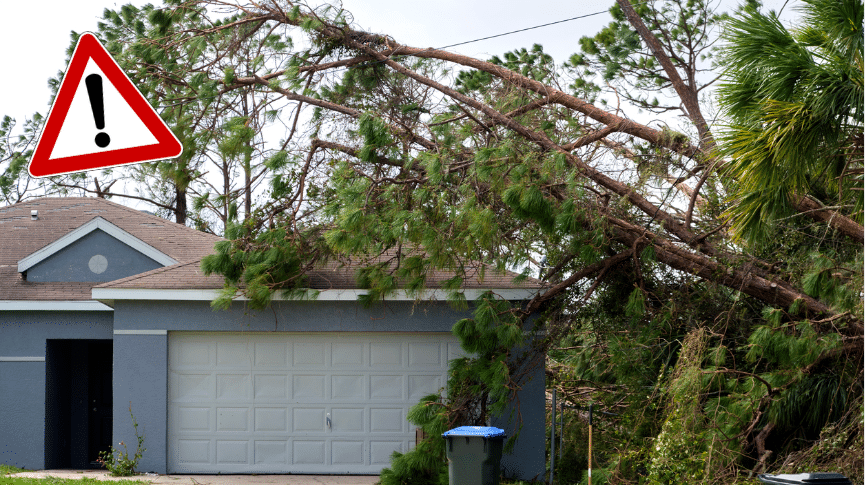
795,100
411,170
8,469
479,386
119,463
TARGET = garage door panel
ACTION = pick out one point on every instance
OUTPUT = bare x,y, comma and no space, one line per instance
274,355
233,387
260,403
308,419
233,354
273,452
423,385
346,452
232,452
348,354
271,387
385,354
193,387
191,451
192,419
348,420
192,354
386,420
425,354
271,420
232,419
309,354
380,451
348,387
308,387
386,387
308,452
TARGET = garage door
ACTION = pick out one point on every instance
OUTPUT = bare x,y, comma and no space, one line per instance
297,403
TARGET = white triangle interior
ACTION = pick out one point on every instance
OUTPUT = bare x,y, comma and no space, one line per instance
78,132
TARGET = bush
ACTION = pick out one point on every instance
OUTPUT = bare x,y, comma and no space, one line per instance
118,462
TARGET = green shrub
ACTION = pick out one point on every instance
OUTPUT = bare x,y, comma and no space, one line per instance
118,462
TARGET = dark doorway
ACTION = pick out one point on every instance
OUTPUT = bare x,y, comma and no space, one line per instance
78,405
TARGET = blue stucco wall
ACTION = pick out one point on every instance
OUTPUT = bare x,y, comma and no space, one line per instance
141,384
143,380
22,384
22,429
527,461
310,316
72,262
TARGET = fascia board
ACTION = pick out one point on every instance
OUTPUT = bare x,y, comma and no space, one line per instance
104,294
54,305
85,229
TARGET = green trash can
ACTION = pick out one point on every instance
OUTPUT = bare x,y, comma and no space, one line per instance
806,478
474,455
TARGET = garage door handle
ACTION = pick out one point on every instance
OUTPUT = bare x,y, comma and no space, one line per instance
328,420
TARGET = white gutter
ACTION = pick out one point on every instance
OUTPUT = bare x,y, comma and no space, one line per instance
54,305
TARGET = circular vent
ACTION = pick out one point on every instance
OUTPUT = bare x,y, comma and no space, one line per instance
98,264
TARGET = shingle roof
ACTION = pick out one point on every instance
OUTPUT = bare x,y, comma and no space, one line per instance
332,276
20,236
58,216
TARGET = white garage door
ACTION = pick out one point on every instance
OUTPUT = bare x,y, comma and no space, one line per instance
297,402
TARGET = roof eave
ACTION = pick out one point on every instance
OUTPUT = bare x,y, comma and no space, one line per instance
55,305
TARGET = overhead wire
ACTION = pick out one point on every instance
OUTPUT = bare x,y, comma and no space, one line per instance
496,35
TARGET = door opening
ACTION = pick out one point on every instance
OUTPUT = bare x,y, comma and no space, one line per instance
78,402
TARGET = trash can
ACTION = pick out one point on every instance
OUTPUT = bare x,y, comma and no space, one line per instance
474,455
806,478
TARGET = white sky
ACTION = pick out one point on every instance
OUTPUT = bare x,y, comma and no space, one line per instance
34,51
34,47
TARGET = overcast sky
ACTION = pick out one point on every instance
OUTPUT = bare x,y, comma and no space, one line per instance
35,35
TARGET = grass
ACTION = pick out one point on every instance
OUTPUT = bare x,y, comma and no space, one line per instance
5,470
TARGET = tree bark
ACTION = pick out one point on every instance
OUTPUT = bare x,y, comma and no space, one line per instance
180,209
813,209
685,92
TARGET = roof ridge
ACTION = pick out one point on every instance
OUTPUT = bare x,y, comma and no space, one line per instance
153,216
100,200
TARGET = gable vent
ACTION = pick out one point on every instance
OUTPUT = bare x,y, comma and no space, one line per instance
34,215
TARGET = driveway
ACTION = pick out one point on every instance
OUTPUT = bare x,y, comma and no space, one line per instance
154,479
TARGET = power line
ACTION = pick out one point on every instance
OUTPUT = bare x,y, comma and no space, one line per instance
525,29
493,36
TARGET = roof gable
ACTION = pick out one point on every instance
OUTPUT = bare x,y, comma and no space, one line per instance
23,236
94,224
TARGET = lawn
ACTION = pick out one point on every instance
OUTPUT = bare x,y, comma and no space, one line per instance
7,480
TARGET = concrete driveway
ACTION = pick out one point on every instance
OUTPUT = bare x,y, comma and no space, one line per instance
154,479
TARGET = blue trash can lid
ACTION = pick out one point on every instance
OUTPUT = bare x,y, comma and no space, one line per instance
482,431
806,478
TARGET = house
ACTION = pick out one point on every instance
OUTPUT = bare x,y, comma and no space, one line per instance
104,312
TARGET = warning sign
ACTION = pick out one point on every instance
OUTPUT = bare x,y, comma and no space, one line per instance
99,119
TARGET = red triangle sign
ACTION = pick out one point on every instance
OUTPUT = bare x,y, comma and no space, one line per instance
99,119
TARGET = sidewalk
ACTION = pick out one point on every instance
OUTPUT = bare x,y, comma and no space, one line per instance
154,479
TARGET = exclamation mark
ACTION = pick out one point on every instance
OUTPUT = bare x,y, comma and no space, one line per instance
94,90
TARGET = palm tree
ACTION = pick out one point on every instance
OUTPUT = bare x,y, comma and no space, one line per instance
794,101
